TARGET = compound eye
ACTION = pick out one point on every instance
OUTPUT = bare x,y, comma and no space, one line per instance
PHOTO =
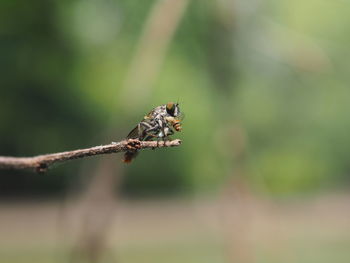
170,108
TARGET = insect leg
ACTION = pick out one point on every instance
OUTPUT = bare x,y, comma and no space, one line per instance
148,131
147,128
139,130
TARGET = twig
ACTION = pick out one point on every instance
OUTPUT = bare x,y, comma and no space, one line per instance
41,162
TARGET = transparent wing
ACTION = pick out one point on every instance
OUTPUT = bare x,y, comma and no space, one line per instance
134,134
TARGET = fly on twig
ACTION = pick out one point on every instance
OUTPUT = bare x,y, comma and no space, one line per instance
159,124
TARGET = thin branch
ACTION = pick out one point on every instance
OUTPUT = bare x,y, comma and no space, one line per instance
41,162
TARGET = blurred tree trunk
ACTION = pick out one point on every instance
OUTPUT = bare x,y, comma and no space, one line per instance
158,32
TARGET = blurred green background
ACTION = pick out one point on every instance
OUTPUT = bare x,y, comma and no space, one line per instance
263,85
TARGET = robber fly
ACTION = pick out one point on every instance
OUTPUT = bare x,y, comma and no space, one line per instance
159,124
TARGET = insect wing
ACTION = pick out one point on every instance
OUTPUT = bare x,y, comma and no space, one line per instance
134,134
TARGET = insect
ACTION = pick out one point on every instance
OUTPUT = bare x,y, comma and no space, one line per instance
159,124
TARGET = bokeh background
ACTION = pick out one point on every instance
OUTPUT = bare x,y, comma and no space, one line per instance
263,172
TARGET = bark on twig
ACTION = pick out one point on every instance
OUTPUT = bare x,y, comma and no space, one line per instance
41,162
